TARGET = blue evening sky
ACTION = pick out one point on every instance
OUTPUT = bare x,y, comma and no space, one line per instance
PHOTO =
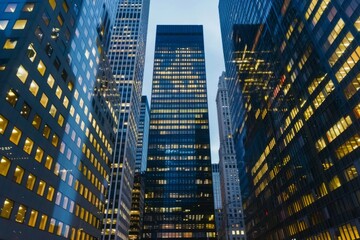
202,12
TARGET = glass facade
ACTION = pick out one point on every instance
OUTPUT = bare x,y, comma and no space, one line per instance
57,118
179,196
302,112
217,197
127,56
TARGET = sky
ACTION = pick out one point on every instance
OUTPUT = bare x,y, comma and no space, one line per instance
199,12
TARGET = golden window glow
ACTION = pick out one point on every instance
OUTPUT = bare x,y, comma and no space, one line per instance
320,11
31,53
33,217
48,162
10,44
310,8
334,183
336,31
44,100
43,221
39,154
50,194
51,81
339,51
28,7
20,215
20,24
357,24
351,173
22,73
7,208
4,166
41,68
338,128
348,65
30,182
58,92
52,111
3,124
41,188
34,88
52,4
320,144
15,135
18,174
28,145
350,145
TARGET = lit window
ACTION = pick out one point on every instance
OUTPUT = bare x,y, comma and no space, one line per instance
25,110
52,111
44,100
48,162
39,154
43,221
52,225
51,81
7,208
65,6
15,135
60,19
28,145
41,68
52,4
4,166
31,53
55,140
10,44
46,131
50,193
20,24
18,174
20,215
351,173
36,121
3,24
22,74
66,102
12,97
41,188
357,24
34,88
33,217
58,92
59,228
70,86
11,7
61,120
30,182
28,7
3,124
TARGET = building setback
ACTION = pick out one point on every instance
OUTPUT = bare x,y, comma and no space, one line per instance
57,118
179,197
127,56
304,118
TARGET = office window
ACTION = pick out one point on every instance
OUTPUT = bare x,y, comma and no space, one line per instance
51,81
15,135
4,166
20,215
52,111
18,174
20,24
61,120
43,221
44,100
52,4
55,140
41,68
36,121
3,124
12,97
7,208
58,92
10,44
39,154
28,7
59,228
11,7
50,194
3,24
351,173
33,217
41,188
34,88
22,73
48,162
51,225
30,182
25,110
28,145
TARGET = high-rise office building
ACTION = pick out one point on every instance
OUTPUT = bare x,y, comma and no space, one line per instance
303,169
179,197
57,118
232,220
217,197
127,55
138,192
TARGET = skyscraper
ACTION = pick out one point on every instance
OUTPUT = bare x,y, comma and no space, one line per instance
303,169
127,55
217,197
232,214
57,118
179,197
138,192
